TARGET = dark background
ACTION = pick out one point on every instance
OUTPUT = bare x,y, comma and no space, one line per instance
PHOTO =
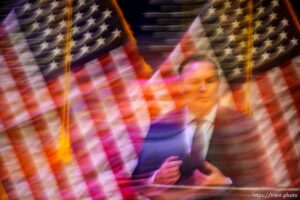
154,49
132,9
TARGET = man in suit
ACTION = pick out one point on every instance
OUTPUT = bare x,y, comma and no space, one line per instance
203,143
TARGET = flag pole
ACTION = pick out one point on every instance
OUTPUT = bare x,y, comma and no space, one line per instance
64,151
249,61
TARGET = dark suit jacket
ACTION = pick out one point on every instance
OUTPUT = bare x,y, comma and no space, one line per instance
235,148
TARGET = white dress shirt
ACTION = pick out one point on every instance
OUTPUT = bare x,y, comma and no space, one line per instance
206,130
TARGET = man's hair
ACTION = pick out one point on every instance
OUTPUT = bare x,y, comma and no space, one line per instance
198,58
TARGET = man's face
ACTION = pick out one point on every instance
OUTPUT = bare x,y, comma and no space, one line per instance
200,84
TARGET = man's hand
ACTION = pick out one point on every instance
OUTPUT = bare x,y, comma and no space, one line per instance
168,173
215,176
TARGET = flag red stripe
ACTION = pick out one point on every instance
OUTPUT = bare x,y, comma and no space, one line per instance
293,82
99,120
138,64
85,163
187,45
24,157
25,92
279,125
118,88
78,146
9,187
153,105
142,76
32,107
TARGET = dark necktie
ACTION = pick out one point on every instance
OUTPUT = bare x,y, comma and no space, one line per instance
197,147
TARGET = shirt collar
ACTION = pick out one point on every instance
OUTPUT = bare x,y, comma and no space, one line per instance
209,117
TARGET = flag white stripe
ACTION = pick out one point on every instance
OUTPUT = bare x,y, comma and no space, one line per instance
287,106
161,93
44,174
37,84
133,88
71,171
81,130
39,89
112,114
15,173
86,129
268,138
25,136
11,92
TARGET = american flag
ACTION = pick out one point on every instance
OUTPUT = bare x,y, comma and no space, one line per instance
221,30
107,107
109,111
